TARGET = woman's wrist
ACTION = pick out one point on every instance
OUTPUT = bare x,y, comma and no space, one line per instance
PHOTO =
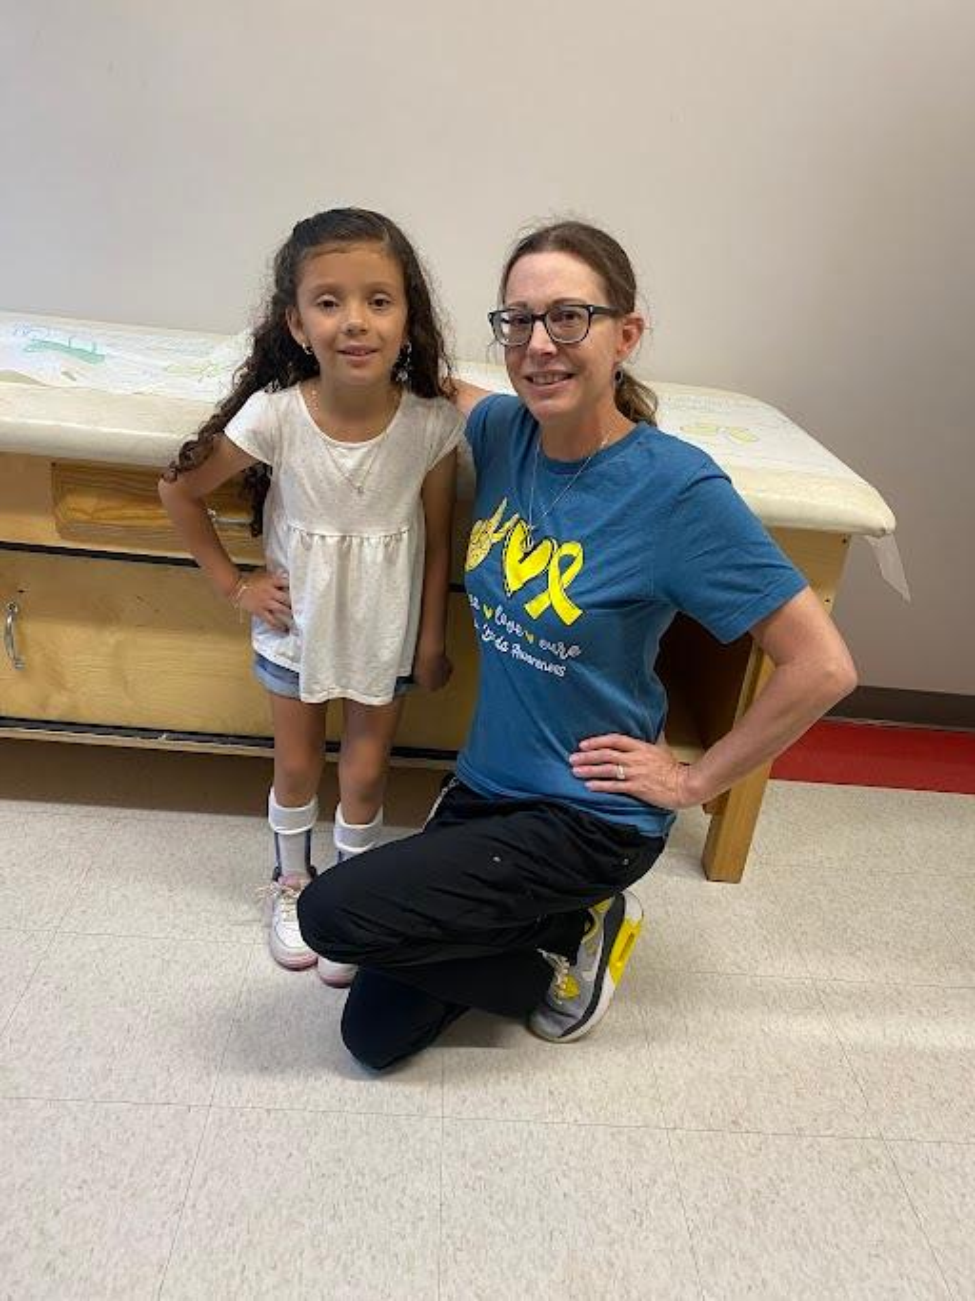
690,790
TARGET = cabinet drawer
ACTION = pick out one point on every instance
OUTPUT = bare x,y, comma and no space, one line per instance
132,644
112,506
125,644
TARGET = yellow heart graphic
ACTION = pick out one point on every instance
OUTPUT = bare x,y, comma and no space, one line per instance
520,564
489,611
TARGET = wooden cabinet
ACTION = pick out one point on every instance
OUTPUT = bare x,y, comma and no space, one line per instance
125,643
121,638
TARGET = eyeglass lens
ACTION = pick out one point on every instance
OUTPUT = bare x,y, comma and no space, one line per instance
566,323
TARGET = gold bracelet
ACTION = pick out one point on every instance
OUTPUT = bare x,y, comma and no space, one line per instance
238,592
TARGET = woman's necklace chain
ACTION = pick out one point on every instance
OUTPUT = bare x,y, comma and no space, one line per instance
531,521
358,486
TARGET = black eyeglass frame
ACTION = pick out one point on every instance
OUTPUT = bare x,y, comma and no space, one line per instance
591,310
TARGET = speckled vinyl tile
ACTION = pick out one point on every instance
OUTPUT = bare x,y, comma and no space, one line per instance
806,829
123,1019
749,1053
870,926
20,956
775,1217
43,861
309,1205
940,1181
561,1213
913,1051
692,924
91,1195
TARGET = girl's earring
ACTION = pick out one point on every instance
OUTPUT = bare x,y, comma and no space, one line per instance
306,349
618,376
401,369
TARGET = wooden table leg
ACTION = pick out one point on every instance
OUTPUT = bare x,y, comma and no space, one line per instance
731,828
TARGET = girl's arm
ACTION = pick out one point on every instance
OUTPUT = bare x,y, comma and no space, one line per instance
813,670
184,498
431,667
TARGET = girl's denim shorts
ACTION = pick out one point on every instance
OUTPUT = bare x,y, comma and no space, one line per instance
285,682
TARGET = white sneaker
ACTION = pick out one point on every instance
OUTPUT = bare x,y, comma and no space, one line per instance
339,975
285,941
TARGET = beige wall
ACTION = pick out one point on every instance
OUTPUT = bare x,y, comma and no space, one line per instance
794,182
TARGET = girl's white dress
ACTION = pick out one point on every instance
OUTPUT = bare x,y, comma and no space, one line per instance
344,521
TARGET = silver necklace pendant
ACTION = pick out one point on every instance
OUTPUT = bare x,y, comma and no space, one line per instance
530,522
360,487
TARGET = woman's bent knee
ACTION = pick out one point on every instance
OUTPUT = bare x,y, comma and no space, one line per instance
385,1021
368,1048
323,916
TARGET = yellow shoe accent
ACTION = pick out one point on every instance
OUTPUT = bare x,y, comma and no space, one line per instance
623,948
596,912
567,988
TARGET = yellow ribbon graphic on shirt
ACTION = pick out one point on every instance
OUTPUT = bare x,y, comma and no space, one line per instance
521,562
558,581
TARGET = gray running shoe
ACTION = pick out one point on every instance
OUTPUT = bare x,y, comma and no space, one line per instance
581,992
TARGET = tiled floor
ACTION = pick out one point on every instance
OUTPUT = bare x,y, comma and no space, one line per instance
781,1103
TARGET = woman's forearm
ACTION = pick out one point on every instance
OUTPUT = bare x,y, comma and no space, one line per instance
795,696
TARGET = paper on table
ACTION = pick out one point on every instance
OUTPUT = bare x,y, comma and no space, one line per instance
739,430
116,360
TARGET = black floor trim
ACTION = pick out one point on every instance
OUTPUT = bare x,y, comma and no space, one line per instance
429,754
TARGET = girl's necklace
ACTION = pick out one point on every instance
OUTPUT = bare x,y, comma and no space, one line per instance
531,521
357,485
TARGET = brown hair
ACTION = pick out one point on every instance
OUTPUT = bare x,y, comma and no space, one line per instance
636,400
276,361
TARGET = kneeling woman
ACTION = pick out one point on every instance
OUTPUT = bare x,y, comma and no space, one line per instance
593,530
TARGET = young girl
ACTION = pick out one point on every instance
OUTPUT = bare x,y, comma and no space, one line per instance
342,397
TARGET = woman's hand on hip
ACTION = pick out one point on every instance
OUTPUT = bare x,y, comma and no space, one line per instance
267,596
622,765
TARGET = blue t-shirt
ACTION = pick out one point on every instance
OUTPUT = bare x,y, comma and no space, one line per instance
569,620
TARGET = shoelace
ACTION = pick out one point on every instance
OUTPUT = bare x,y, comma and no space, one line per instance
287,895
561,967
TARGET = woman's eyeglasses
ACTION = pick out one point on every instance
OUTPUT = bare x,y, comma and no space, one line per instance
564,323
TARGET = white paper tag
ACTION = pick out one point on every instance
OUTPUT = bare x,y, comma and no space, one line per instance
890,564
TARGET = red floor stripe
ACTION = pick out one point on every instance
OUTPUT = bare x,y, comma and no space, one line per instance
875,754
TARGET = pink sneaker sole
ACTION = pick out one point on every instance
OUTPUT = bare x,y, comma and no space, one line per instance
293,961
337,975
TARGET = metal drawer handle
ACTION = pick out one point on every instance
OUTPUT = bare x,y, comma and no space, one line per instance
9,645
229,521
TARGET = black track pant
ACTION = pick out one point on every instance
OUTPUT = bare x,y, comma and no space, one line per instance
454,917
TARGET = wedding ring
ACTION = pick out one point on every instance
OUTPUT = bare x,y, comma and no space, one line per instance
620,773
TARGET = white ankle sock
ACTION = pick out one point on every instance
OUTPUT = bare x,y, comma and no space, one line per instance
353,838
292,826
